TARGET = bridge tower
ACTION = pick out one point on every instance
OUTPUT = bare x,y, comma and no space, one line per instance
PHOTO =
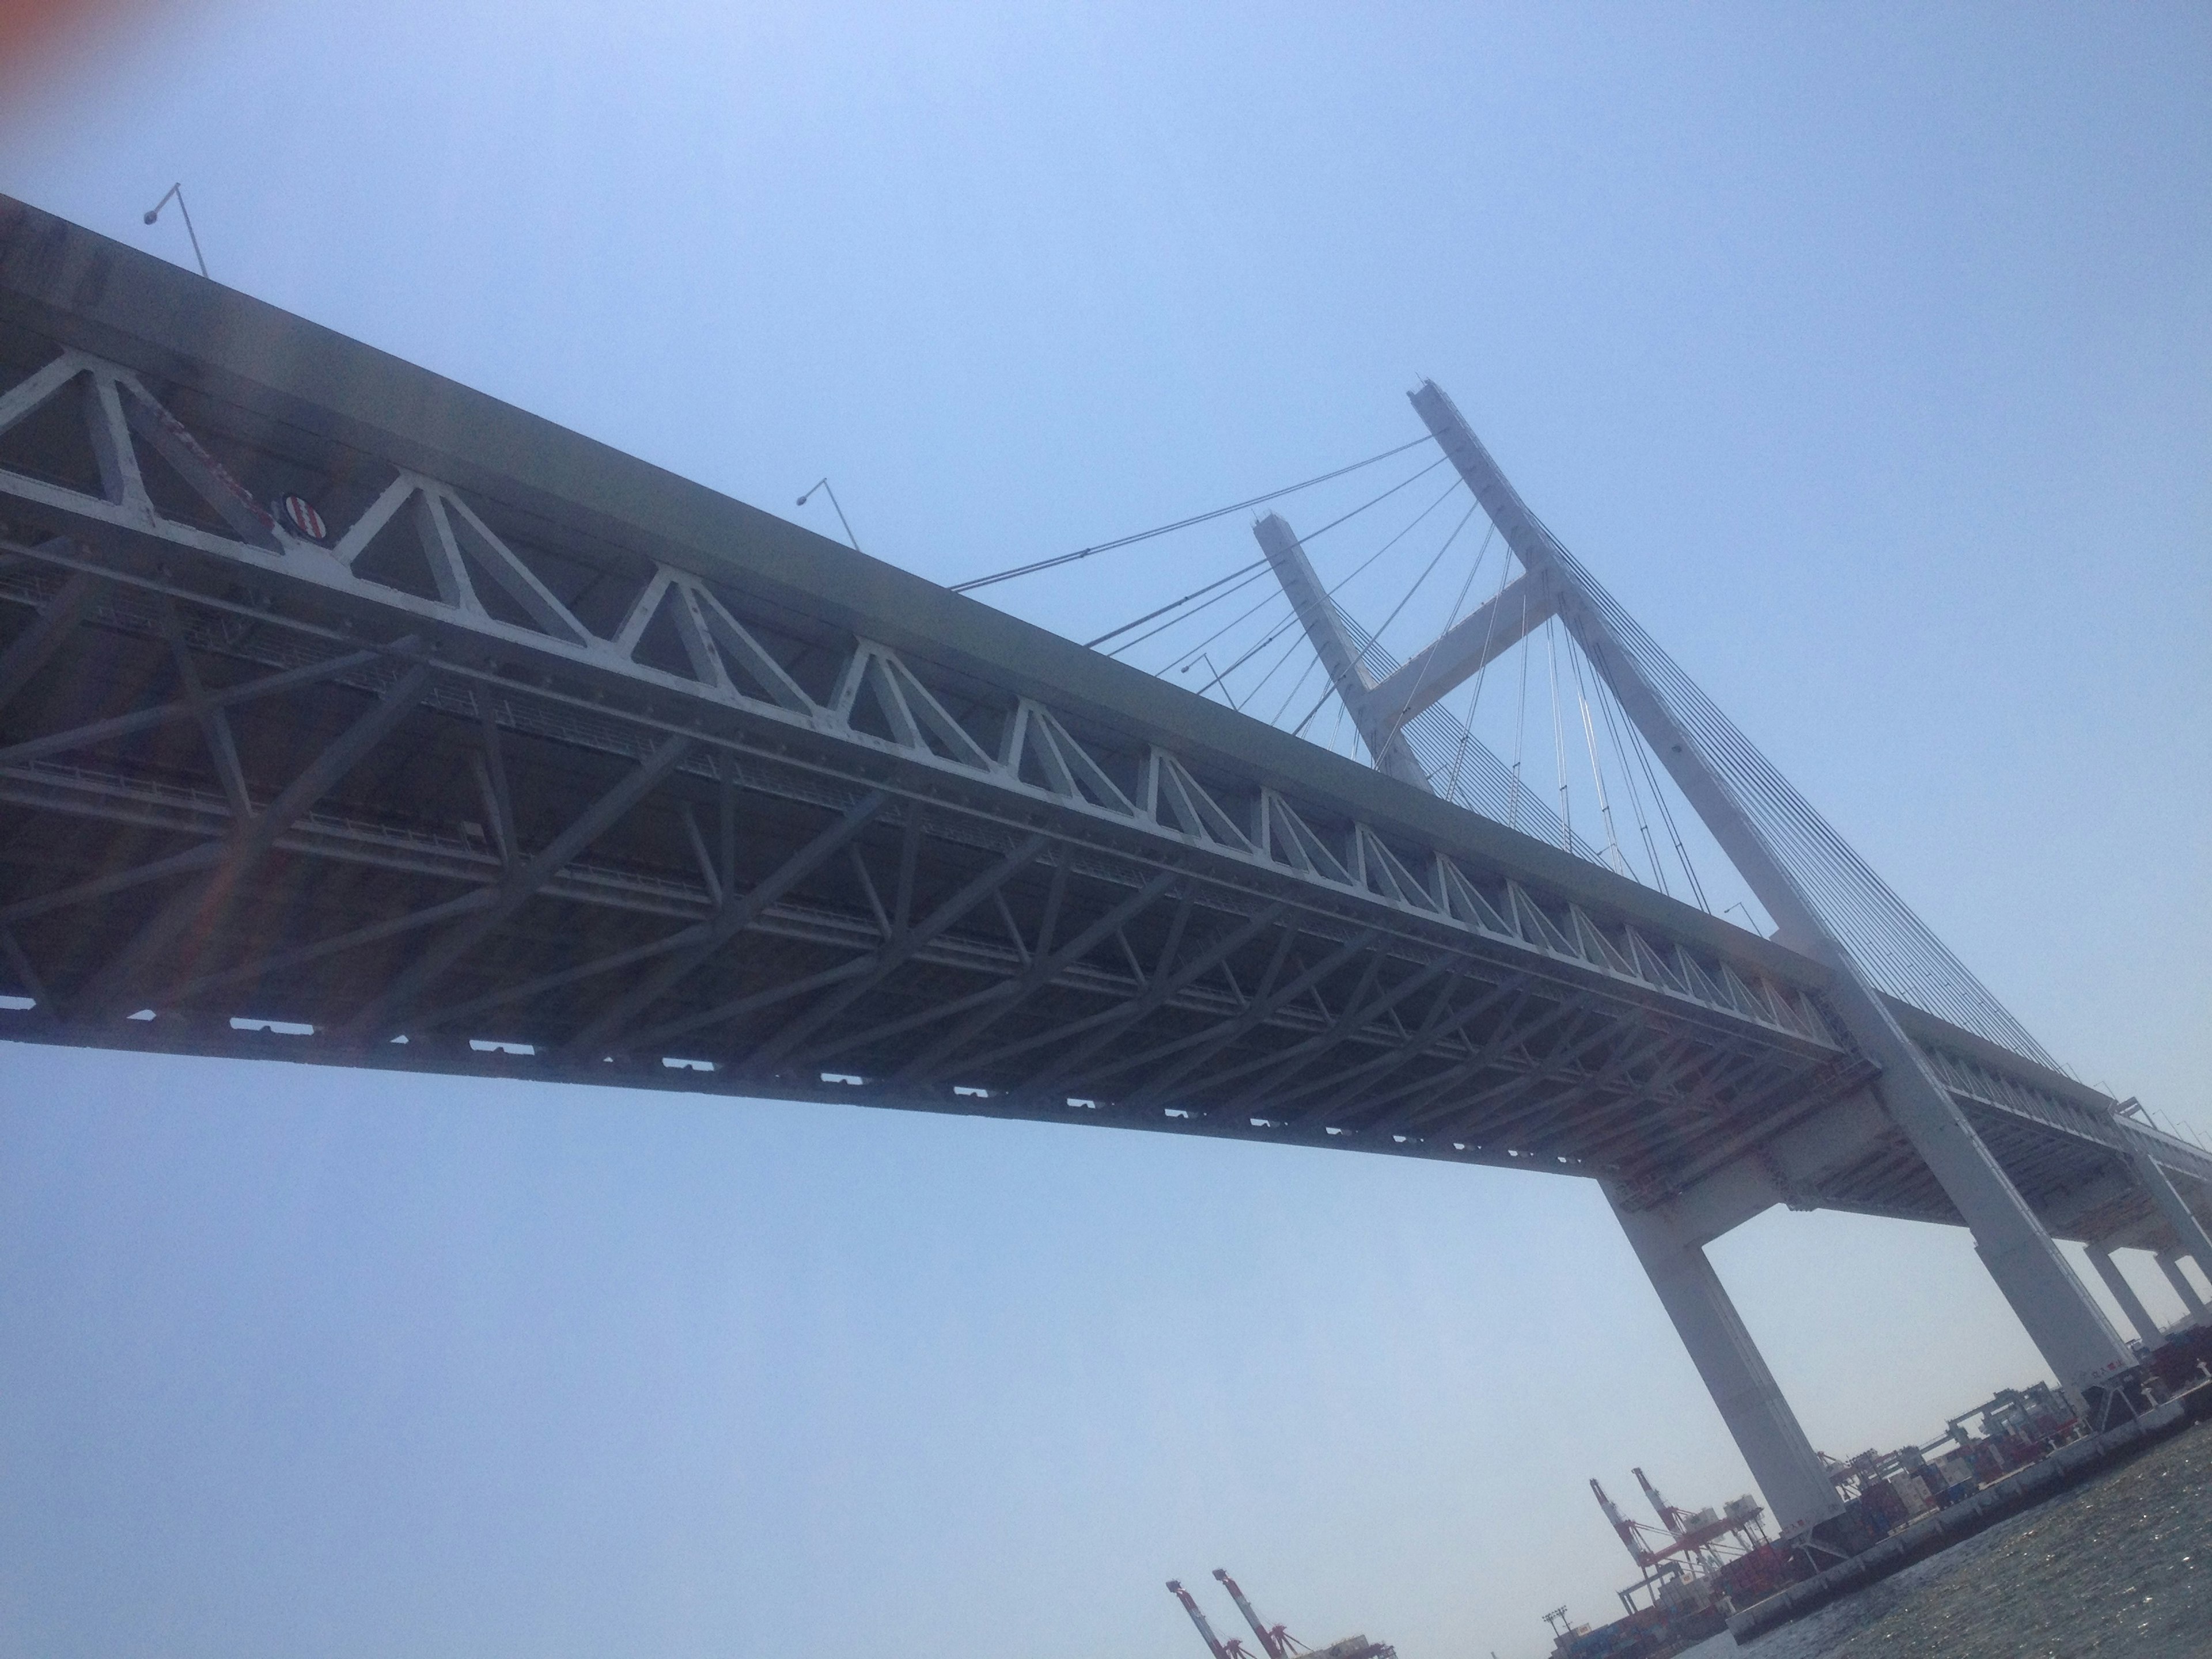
1772,836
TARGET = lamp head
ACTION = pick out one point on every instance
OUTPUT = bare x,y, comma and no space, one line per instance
152,214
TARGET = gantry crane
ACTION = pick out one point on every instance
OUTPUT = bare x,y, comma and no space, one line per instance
1198,1618
1675,1520
1276,1641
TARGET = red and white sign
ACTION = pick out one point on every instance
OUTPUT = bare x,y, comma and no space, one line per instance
301,514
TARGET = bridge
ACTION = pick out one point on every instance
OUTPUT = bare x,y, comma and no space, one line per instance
347,716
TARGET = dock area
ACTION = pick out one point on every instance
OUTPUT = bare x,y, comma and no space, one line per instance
2065,1466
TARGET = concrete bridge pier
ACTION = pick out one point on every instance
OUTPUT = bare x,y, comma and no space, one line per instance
2066,1324
1798,1491
2147,1328
2187,1228
2169,1263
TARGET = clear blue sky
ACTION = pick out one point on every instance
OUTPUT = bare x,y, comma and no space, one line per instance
1862,352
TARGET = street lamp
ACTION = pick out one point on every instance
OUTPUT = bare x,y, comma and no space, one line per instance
155,212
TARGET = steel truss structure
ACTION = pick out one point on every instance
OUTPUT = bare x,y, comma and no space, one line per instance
540,763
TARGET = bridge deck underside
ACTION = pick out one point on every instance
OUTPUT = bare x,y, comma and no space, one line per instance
778,918
914,948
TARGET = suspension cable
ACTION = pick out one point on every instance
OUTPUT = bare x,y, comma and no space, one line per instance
1635,793
1597,772
1290,695
1426,570
1276,667
1452,622
1036,565
1559,739
1666,818
1521,722
1474,696
1247,571
1242,570
1183,660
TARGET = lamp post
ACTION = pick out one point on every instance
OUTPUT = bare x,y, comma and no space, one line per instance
822,484
155,212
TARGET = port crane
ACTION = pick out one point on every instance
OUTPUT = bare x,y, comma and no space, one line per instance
1690,1536
1677,1522
1198,1618
1275,1641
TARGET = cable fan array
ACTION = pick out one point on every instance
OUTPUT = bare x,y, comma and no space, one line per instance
1235,637
1589,783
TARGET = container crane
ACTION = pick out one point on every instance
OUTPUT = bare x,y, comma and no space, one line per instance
1277,1641
1198,1618
1675,1520
1632,1532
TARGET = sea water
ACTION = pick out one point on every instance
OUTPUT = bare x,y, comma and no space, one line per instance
2120,1567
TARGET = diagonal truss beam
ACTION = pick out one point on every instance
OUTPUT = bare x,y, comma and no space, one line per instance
235,857
1262,1008
520,885
1404,1103
1556,1066
1359,1011
697,943
214,722
1167,981
752,1002
1186,904
302,956
230,696
999,1002
33,648
1441,1025
882,964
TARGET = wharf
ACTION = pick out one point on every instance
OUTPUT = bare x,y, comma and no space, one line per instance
2066,1466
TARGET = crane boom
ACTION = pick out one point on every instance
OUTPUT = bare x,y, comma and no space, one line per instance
1669,1517
1624,1526
1198,1618
1267,1637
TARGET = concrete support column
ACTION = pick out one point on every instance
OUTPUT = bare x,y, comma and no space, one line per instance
2064,1321
2179,1217
2169,1263
2124,1293
1782,1462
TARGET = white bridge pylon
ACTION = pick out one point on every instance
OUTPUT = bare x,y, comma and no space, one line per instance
1825,901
